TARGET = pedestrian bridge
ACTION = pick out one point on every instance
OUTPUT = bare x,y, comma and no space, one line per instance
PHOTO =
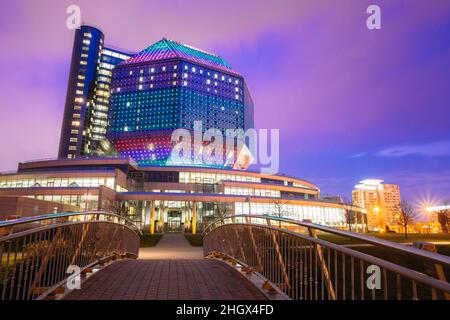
243,257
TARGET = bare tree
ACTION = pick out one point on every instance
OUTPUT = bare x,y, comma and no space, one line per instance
349,213
443,216
349,218
119,208
222,210
406,216
279,209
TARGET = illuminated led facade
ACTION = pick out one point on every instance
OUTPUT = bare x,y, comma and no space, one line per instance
381,201
169,86
88,92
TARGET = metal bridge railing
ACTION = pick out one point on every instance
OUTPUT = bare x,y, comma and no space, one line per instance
291,258
36,252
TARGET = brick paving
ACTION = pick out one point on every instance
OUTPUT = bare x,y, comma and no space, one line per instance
173,270
169,279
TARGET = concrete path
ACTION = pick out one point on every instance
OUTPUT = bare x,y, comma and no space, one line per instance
171,246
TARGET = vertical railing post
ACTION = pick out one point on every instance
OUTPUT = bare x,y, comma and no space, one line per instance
323,266
438,270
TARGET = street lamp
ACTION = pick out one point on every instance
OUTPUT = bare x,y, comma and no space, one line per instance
88,197
249,205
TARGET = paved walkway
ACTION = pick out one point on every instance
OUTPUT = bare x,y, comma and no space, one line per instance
167,280
173,270
172,246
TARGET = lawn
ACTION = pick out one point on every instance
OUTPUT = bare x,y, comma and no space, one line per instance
150,240
394,237
195,240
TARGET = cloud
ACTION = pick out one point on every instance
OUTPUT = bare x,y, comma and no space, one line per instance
432,149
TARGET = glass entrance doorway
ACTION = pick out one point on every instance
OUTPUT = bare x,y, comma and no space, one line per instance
174,221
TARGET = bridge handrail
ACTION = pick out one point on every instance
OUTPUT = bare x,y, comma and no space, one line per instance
429,256
34,262
26,220
297,263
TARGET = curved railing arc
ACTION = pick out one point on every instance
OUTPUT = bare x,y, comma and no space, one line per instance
37,251
288,254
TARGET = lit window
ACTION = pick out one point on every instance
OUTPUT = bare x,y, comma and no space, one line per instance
140,87
236,81
185,75
223,78
174,75
193,69
76,123
128,104
184,83
141,79
74,132
175,67
125,129
174,83
73,139
215,76
208,81
163,68
152,70
141,71
72,148
131,72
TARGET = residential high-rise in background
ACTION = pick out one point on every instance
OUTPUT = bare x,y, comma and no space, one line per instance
87,100
168,86
381,201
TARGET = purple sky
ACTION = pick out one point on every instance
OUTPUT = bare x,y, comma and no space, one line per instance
350,103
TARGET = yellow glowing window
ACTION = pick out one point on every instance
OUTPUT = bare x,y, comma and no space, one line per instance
73,139
79,92
82,62
76,115
76,123
72,148
74,131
